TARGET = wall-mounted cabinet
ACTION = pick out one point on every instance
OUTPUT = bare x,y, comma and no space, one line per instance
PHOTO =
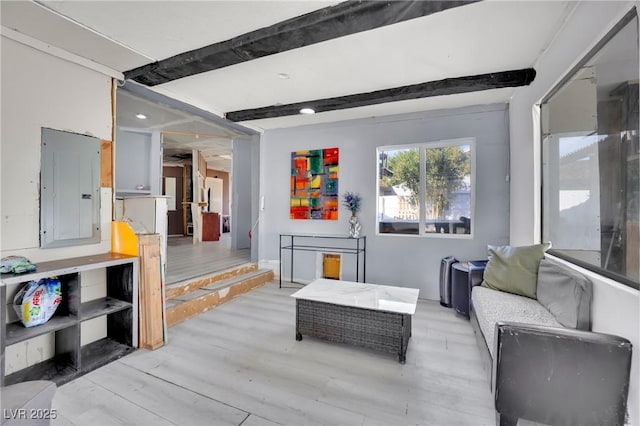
71,356
138,162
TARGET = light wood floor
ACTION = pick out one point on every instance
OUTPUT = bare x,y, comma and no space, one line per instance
186,260
239,364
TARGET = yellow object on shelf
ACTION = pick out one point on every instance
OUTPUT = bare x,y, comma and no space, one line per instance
123,239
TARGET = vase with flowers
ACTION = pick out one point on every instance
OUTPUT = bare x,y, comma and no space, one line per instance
353,203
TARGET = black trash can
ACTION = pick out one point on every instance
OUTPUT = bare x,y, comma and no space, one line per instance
445,280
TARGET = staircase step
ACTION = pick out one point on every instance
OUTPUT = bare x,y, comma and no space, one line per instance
187,305
226,283
187,286
190,296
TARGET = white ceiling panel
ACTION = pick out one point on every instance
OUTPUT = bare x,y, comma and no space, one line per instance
162,117
42,24
161,29
181,132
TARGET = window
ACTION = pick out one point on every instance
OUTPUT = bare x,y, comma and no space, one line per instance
590,159
426,189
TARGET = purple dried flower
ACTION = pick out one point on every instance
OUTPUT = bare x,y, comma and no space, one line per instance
352,202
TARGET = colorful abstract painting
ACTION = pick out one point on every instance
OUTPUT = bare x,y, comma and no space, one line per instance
314,184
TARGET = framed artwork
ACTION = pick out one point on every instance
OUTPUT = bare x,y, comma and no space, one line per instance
314,184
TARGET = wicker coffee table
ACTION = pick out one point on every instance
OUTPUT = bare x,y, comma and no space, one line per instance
369,315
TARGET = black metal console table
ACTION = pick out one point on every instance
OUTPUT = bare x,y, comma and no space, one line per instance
316,243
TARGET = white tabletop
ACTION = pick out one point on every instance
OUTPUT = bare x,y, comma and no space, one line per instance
361,295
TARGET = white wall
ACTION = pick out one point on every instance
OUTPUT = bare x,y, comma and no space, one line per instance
255,198
410,261
39,90
244,200
138,161
615,307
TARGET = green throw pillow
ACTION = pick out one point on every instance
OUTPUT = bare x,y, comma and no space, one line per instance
514,269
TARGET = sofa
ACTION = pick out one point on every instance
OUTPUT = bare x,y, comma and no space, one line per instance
532,320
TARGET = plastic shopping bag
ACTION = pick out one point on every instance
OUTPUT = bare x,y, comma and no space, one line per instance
36,302
16,265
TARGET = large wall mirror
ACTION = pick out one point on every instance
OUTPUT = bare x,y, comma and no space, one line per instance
590,159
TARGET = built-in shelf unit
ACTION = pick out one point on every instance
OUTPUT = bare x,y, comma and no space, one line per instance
72,358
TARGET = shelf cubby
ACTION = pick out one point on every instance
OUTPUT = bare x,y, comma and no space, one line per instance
102,352
103,306
16,332
63,366
57,369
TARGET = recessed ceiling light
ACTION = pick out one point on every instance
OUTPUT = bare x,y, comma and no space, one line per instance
307,111
283,76
141,116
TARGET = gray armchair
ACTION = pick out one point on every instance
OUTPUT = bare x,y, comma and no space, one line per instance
559,376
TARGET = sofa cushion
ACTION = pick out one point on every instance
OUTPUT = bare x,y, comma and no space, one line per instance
566,294
514,269
492,306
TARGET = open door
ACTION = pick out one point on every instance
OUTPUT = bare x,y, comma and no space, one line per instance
172,186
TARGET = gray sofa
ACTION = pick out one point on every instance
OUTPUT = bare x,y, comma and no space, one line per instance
544,363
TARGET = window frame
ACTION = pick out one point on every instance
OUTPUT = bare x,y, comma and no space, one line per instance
628,17
422,147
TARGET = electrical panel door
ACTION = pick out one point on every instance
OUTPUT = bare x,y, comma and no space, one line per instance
69,189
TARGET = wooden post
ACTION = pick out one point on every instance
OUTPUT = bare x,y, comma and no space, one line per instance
151,300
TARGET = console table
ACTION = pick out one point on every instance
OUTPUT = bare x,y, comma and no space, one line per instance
318,243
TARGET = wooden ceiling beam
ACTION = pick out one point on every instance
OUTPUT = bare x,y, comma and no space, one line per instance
448,86
343,19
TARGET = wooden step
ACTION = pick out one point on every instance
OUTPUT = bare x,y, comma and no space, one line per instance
188,304
187,286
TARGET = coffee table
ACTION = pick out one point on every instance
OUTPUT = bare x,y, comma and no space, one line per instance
369,315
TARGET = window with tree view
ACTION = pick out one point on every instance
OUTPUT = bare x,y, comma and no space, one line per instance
591,159
426,189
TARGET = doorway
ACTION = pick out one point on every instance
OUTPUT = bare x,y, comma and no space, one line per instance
187,142
172,186
214,188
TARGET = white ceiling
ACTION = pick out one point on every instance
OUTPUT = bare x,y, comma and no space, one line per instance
181,132
489,36
475,39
